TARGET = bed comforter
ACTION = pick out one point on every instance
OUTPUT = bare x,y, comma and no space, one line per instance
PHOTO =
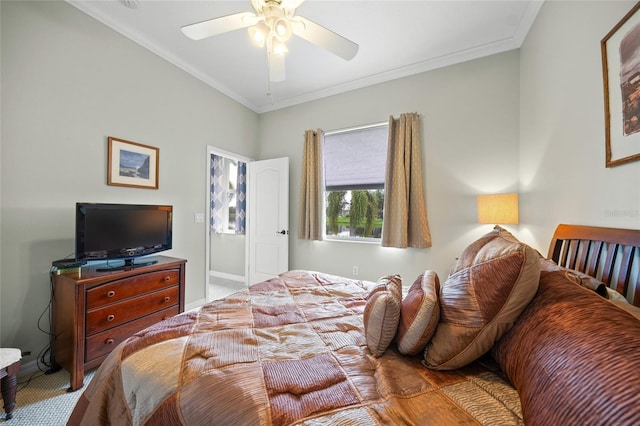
290,350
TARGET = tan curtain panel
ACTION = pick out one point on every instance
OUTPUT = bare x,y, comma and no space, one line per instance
405,214
311,189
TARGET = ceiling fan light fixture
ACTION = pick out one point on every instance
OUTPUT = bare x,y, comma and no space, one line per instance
278,47
258,34
282,29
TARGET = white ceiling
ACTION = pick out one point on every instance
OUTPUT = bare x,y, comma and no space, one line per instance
396,38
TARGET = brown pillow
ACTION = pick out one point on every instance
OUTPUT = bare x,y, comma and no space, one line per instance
492,282
573,355
382,313
419,315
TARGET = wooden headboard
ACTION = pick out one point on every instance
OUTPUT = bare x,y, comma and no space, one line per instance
611,255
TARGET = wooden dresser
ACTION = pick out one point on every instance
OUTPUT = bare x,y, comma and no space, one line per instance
93,311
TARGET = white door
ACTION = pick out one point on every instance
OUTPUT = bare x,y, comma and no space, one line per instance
268,218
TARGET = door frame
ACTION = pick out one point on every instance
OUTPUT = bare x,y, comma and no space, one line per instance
207,215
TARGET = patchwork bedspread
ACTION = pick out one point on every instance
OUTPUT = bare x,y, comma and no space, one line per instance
290,350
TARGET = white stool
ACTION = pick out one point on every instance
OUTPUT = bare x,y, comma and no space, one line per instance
9,367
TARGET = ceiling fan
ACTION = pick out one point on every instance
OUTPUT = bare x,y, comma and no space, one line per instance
272,25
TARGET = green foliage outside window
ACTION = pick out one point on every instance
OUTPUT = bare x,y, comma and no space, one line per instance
363,217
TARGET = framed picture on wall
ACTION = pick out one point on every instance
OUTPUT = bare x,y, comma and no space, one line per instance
621,77
132,164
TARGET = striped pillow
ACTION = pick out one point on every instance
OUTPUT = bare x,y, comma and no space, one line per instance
419,315
382,313
573,357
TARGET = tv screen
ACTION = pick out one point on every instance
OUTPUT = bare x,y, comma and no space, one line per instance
122,231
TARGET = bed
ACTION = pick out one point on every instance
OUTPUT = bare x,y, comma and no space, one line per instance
509,337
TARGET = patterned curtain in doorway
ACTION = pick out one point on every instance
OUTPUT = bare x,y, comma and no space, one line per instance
218,193
228,195
241,198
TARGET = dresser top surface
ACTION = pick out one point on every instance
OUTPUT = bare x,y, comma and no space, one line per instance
107,271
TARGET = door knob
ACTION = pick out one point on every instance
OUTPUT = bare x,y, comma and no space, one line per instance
283,232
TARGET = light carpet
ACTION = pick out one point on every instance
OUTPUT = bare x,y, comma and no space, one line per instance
42,399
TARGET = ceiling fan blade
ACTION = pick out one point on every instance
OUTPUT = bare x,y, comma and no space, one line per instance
277,71
325,38
220,25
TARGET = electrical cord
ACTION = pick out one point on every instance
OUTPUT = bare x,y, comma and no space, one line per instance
45,366
45,356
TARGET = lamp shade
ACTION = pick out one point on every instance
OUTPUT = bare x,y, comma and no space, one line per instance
498,208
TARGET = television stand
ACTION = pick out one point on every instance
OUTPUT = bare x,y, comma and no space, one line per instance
128,264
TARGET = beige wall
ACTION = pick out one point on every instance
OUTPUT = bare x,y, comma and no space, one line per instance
563,178
69,82
470,146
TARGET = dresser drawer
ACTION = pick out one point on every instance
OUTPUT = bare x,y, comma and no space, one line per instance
129,287
118,313
104,342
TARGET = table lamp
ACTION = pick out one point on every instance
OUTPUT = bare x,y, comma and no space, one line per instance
498,209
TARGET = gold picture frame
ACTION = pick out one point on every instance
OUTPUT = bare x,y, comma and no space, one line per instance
132,164
621,78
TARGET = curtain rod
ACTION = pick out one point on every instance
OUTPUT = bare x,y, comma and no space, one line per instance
351,129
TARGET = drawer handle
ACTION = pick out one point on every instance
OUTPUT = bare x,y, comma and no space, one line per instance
167,278
111,293
167,299
108,341
111,317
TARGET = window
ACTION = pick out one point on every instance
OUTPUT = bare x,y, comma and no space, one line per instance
354,174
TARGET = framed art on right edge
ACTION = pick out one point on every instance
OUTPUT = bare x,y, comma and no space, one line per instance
621,78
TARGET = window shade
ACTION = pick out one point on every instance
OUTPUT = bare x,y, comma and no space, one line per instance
355,159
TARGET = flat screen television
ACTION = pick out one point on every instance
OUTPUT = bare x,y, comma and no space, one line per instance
122,232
